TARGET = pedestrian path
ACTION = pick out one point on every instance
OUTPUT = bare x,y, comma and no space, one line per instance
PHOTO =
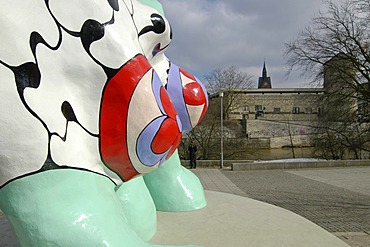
355,180
214,180
230,220
348,188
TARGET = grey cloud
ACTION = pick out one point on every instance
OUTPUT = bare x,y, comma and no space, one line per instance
210,34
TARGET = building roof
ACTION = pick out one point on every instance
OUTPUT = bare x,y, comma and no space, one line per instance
273,91
278,90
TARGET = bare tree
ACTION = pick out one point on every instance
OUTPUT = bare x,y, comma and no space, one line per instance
344,29
335,50
363,7
207,135
228,81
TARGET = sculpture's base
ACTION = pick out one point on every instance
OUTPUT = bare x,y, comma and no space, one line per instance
230,220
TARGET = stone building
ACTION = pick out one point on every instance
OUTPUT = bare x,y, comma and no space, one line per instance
341,91
279,116
334,119
288,116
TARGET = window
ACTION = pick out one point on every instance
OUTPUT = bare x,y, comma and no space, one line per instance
295,110
276,110
258,108
245,108
320,111
259,111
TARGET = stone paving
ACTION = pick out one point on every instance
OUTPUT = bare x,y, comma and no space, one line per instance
337,199
334,208
214,180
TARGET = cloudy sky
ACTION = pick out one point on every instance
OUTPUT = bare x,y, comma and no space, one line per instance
212,33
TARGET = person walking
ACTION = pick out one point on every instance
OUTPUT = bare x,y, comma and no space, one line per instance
192,155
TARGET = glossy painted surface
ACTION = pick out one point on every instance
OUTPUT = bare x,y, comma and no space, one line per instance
154,135
175,188
89,102
74,102
66,207
188,95
138,207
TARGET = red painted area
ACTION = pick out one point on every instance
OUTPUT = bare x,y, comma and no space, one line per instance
169,135
113,120
167,104
166,136
113,116
174,146
193,94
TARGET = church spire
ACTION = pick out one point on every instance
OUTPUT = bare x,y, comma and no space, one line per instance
264,81
264,71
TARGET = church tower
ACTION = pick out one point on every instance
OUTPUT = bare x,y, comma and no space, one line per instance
264,81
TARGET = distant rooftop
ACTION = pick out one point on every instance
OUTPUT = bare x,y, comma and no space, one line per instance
272,91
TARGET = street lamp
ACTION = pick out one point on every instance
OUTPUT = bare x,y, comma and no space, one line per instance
222,129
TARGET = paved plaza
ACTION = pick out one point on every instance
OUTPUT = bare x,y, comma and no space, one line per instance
337,199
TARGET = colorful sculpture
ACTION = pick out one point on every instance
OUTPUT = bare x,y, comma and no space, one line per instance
89,102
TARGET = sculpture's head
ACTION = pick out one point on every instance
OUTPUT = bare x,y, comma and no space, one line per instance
80,88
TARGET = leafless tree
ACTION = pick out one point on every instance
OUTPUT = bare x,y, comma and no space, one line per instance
335,50
206,135
228,81
344,29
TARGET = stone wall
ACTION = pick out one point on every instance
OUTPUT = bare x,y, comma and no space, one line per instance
278,105
212,163
279,132
250,166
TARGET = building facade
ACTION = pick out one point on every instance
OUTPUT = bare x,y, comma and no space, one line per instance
278,116
283,116
293,116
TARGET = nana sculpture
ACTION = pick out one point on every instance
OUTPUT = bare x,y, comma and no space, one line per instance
90,106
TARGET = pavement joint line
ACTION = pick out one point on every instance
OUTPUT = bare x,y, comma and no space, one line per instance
344,234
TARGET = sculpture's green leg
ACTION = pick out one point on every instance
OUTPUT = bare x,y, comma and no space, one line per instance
68,208
138,207
154,4
175,188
